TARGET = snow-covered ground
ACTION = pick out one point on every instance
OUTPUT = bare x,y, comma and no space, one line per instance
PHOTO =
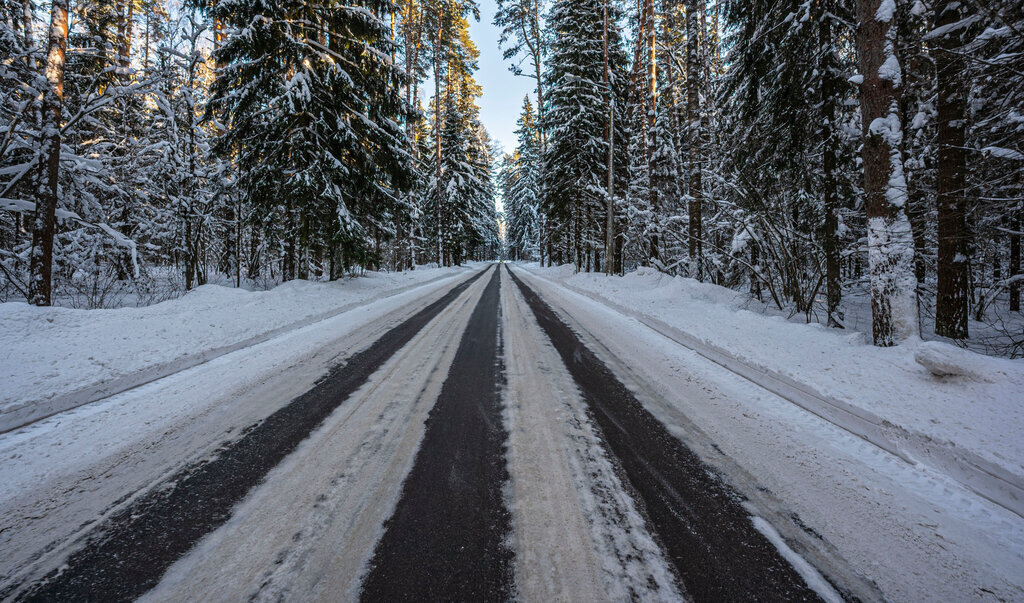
835,445
912,528
53,359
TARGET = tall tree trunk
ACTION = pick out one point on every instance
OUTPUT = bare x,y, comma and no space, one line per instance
951,304
26,31
437,142
120,6
145,54
652,115
638,59
129,26
288,269
1015,260
537,48
693,128
190,254
40,290
890,241
238,242
652,66
606,79
253,266
829,136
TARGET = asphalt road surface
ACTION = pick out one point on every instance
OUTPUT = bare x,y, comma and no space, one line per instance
477,450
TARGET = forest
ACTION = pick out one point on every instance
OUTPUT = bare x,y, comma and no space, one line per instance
820,155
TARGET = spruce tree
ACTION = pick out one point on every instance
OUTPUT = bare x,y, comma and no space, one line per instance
576,123
311,105
521,188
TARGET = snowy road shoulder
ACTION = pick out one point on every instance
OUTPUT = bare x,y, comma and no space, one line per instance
55,359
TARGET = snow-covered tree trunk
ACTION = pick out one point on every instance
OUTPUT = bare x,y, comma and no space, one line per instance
890,240
951,304
41,263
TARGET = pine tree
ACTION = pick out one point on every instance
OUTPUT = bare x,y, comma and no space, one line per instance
521,34
664,178
890,242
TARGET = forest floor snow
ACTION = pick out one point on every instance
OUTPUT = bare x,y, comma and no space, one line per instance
53,359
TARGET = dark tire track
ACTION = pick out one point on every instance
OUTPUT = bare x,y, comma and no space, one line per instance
129,553
446,538
698,519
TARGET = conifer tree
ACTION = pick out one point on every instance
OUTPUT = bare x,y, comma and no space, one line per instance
576,123
521,188
311,105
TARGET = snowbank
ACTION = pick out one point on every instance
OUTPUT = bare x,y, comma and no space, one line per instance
927,402
53,359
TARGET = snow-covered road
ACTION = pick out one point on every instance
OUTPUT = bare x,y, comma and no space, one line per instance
503,436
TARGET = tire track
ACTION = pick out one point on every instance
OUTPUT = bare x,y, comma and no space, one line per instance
447,537
338,487
579,534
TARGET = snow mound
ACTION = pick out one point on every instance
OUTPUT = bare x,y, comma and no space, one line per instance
944,360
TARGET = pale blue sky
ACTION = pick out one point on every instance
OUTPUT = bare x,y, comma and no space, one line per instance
503,92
